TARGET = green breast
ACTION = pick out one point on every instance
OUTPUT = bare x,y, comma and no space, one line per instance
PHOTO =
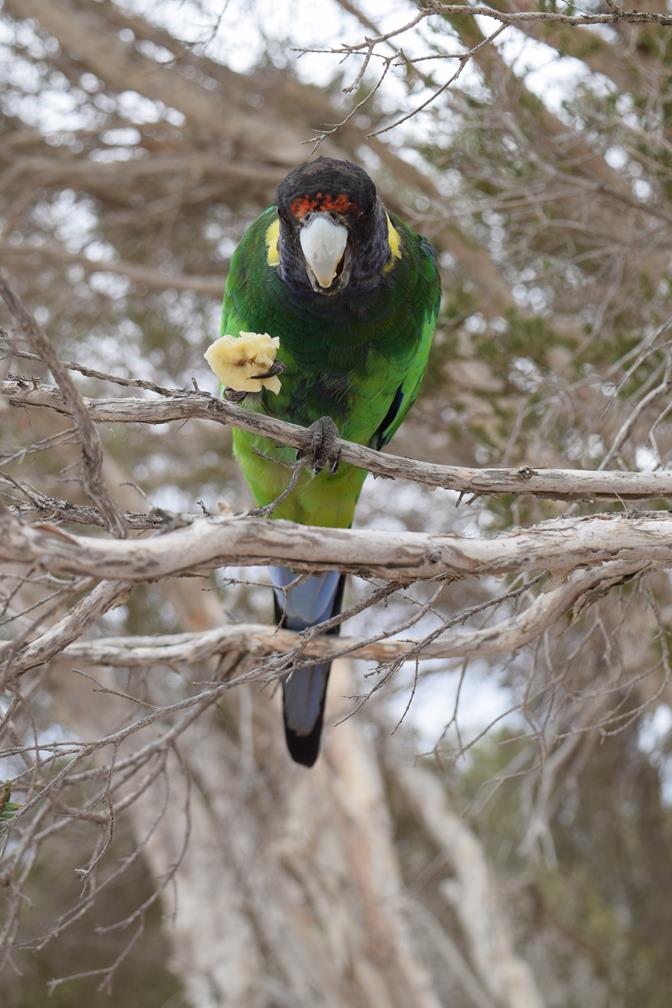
343,359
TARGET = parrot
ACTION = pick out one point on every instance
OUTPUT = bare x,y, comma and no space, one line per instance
350,295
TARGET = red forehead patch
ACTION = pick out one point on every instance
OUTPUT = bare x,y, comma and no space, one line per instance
305,204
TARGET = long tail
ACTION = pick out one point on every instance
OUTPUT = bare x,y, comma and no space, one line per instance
313,600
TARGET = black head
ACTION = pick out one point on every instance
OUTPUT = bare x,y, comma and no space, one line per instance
326,185
333,229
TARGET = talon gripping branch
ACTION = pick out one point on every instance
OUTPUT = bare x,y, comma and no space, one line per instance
353,295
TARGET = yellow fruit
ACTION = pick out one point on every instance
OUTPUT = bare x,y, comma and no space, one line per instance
237,360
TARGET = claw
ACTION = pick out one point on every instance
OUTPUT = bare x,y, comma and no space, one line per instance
322,451
275,369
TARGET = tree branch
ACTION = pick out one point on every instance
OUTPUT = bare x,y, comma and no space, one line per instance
472,892
558,545
559,484
504,637
88,610
92,452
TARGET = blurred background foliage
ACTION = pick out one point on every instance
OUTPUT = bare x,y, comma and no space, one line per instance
138,140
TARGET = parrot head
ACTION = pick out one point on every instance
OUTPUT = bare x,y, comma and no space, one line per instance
333,236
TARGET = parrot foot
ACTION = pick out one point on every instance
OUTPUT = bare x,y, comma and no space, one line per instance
322,451
234,396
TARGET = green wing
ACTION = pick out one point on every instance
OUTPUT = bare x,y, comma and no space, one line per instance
408,390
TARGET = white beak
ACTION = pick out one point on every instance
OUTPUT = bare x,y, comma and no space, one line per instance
323,243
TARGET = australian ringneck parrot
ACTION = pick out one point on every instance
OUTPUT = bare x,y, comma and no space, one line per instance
353,295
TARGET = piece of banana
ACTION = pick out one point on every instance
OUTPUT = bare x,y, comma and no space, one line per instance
237,360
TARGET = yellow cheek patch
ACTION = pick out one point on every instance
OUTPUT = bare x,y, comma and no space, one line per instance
394,241
272,239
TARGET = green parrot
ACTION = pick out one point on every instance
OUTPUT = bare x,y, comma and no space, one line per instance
353,295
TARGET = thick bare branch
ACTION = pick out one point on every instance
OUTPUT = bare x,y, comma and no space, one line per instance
505,637
91,607
559,484
559,545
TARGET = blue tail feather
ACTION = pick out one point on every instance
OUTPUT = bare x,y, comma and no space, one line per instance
311,601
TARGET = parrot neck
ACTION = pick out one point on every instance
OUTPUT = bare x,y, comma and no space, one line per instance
370,249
